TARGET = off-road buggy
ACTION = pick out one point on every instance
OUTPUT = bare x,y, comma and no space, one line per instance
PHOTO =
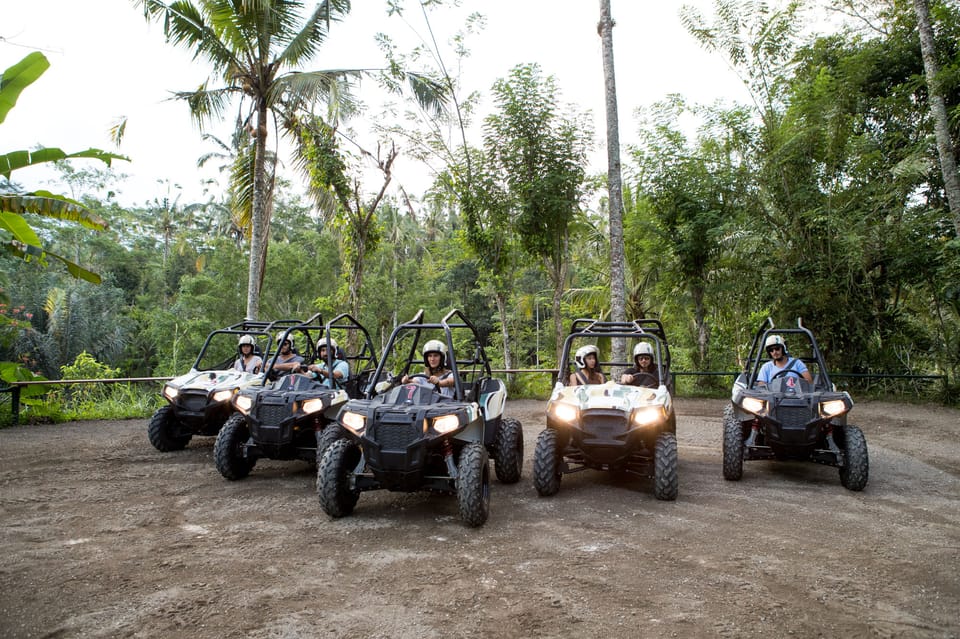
199,401
790,418
624,429
294,417
409,437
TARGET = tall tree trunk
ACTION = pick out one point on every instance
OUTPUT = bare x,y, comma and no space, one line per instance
617,287
938,109
501,299
258,234
700,325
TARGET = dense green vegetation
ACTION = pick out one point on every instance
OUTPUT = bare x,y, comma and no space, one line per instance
820,199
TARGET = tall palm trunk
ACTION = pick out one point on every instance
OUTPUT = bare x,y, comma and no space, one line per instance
258,233
501,300
938,109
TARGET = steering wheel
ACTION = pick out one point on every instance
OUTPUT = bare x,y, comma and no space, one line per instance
645,379
784,373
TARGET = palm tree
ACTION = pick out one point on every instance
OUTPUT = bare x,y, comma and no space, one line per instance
256,47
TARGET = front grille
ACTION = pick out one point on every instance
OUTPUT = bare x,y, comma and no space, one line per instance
396,436
604,425
193,402
793,416
272,414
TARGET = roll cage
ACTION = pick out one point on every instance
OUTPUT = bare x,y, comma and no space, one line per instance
812,358
263,332
649,330
456,329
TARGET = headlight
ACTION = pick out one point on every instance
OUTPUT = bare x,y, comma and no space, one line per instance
223,395
354,421
243,403
833,408
446,424
312,405
754,405
565,412
647,416
170,392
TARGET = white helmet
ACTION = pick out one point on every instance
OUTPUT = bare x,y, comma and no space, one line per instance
435,346
581,355
281,339
246,339
323,344
774,340
643,348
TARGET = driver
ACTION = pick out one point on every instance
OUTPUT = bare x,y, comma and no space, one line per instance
780,362
645,372
435,370
287,361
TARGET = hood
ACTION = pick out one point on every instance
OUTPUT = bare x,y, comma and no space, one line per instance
214,380
610,396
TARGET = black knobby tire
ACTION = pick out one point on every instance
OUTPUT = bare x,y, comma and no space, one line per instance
330,433
228,449
546,464
508,454
161,431
732,446
473,484
336,496
666,479
856,463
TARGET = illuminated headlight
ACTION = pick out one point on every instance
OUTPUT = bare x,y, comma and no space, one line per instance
833,408
312,405
243,403
754,405
171,392
446,424
354,421
566,412
223,395
647,416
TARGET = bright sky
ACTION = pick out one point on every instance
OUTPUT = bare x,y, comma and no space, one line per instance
107,62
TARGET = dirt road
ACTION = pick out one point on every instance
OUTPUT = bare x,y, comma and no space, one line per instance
102,536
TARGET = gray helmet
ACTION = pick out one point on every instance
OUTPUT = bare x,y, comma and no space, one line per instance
580,358
643,348
435,346
281,339
774,340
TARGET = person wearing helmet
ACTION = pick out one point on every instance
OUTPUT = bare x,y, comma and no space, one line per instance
248,362
288,361
644,372
435,368
587,359
337,374
780,361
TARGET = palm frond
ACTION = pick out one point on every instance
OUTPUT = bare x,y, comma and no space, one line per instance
14,160
51,205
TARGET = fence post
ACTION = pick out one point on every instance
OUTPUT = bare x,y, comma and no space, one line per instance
15,403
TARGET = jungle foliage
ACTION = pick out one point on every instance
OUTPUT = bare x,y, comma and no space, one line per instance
820,199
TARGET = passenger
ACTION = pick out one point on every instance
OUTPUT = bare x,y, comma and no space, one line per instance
341,369
780,361
645,372
587,359
248,362
435,369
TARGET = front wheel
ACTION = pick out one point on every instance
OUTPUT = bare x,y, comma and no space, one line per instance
666,480
162,431
473,485
732,446
856,462
546,464
337,498
508,455
228,450
330,433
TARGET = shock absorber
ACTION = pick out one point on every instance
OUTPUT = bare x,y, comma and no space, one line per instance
447,448
754,431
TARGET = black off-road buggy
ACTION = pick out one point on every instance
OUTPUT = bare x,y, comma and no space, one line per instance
294,417
613,427
790,418
199,401
409,437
